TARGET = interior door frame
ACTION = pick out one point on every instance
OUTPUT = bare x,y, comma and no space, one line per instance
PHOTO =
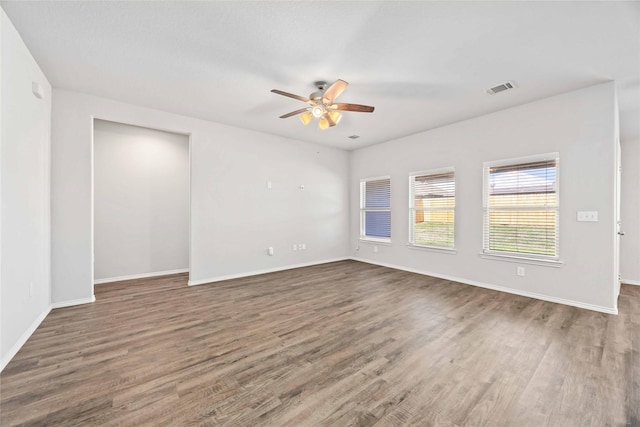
618,221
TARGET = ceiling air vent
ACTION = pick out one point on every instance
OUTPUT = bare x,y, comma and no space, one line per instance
501,88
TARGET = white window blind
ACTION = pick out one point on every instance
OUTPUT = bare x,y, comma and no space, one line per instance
375,208
521,207
432,208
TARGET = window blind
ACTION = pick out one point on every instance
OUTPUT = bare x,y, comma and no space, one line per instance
375,208
432,209
521,209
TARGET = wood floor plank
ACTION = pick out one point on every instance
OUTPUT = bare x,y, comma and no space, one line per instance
338,344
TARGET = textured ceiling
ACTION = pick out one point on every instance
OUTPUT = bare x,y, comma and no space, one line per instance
421,64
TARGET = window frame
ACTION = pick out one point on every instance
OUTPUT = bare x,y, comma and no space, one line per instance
363,210
413,209
486,211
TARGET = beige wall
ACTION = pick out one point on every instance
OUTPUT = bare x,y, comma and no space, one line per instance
25,218
579,126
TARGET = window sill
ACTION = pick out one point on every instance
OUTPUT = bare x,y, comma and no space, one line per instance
442,250
374,241
523,260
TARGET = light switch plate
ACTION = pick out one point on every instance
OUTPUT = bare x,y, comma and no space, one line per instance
589,216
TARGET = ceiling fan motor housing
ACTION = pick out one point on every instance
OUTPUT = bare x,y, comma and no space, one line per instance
322,86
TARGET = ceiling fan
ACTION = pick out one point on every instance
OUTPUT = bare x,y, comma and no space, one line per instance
321,105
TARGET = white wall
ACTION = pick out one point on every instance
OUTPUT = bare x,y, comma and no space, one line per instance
579,125
630,213
25,135
234,217
141,200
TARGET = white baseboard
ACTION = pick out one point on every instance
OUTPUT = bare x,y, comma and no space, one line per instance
578,304
257,272
23,339
27,334
140,276
630,282
73,302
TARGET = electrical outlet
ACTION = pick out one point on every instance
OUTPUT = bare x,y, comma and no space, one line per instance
270,250
520,271
375,249
295,247
303,246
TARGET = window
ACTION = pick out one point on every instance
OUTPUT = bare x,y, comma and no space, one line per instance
521,207
375,209
432,204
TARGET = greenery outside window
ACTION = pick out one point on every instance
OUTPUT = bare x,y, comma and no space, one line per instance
432,204
521,207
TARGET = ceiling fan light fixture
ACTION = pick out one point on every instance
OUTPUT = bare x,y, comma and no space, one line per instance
321,105
317,111
323,123
306,117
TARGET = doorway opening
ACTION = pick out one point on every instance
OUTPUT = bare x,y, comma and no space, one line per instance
141,202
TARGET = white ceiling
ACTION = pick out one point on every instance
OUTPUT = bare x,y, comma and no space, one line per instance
421,64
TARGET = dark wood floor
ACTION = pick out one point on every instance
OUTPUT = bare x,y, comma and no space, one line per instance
339,344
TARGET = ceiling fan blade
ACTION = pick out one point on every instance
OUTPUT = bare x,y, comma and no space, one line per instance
290,95
334,90
354,107
293,113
